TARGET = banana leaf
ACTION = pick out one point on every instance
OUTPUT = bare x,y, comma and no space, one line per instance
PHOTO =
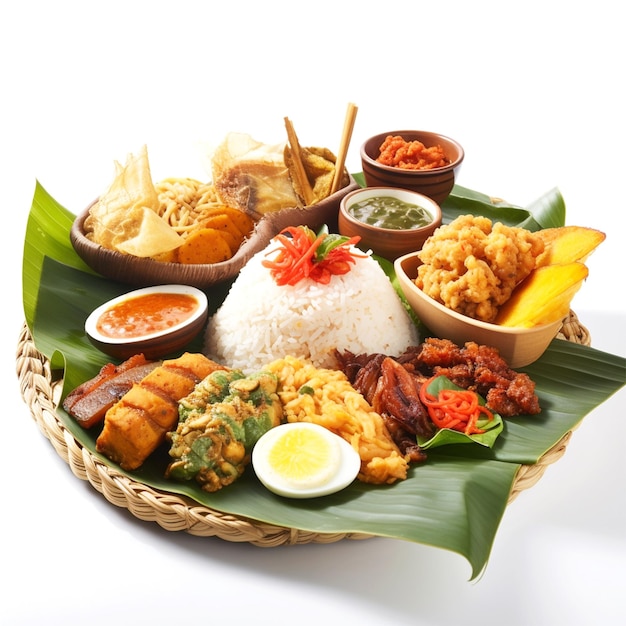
453,501
548,211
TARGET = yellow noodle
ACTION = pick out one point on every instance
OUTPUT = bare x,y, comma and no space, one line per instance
185,203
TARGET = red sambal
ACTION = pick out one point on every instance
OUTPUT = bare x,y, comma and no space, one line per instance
145,315
395,151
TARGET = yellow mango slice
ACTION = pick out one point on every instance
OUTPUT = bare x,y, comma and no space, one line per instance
567,244
544,296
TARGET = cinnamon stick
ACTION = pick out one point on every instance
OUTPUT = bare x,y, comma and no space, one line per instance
346,136
299,171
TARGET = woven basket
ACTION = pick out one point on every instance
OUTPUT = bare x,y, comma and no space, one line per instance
41,392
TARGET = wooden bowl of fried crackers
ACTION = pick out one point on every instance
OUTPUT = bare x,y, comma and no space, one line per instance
143,272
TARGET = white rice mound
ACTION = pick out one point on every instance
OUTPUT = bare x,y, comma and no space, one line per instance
260,322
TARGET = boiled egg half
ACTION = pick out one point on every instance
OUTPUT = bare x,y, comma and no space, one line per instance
304,460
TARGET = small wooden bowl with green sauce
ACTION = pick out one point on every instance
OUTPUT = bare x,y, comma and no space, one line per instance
391,222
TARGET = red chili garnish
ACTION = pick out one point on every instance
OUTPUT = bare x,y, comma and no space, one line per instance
303,254
455,409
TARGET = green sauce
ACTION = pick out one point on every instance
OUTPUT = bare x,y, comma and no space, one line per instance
389,212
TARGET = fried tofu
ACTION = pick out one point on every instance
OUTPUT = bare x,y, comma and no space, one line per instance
137,424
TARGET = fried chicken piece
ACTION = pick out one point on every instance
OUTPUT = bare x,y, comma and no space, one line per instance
512,396
137,424
472,266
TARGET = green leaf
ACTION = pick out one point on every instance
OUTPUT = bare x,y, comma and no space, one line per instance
47,234
359,177
454,501
329,243
549,210
447,436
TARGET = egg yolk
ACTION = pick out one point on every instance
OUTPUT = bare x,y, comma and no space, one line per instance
304,458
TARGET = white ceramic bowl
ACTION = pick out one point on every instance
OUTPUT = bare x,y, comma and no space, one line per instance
518,346
157,343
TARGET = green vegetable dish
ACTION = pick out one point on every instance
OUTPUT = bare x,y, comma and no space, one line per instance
219,423
391,213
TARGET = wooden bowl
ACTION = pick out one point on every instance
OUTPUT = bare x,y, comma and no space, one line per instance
518,346
140,272
436,183
387,242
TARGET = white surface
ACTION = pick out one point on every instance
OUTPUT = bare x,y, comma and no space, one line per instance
533,93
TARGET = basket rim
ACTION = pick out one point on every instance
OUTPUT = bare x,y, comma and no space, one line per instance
173,512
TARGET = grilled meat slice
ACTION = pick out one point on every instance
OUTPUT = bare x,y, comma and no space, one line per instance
366,380
399,398
405,440
392,392
89,402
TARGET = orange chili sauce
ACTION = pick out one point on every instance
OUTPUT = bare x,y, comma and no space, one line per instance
395,151
147,314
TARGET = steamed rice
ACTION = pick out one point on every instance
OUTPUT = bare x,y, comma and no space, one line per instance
260,322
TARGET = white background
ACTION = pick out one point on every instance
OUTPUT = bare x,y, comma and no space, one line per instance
534,93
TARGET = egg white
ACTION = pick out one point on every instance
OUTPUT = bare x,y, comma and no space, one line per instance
339,474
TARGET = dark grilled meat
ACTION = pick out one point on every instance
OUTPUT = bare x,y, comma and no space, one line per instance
391,383
89,402
393,394
480,369
399,398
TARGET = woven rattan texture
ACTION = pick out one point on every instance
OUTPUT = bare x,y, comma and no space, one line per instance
40,392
